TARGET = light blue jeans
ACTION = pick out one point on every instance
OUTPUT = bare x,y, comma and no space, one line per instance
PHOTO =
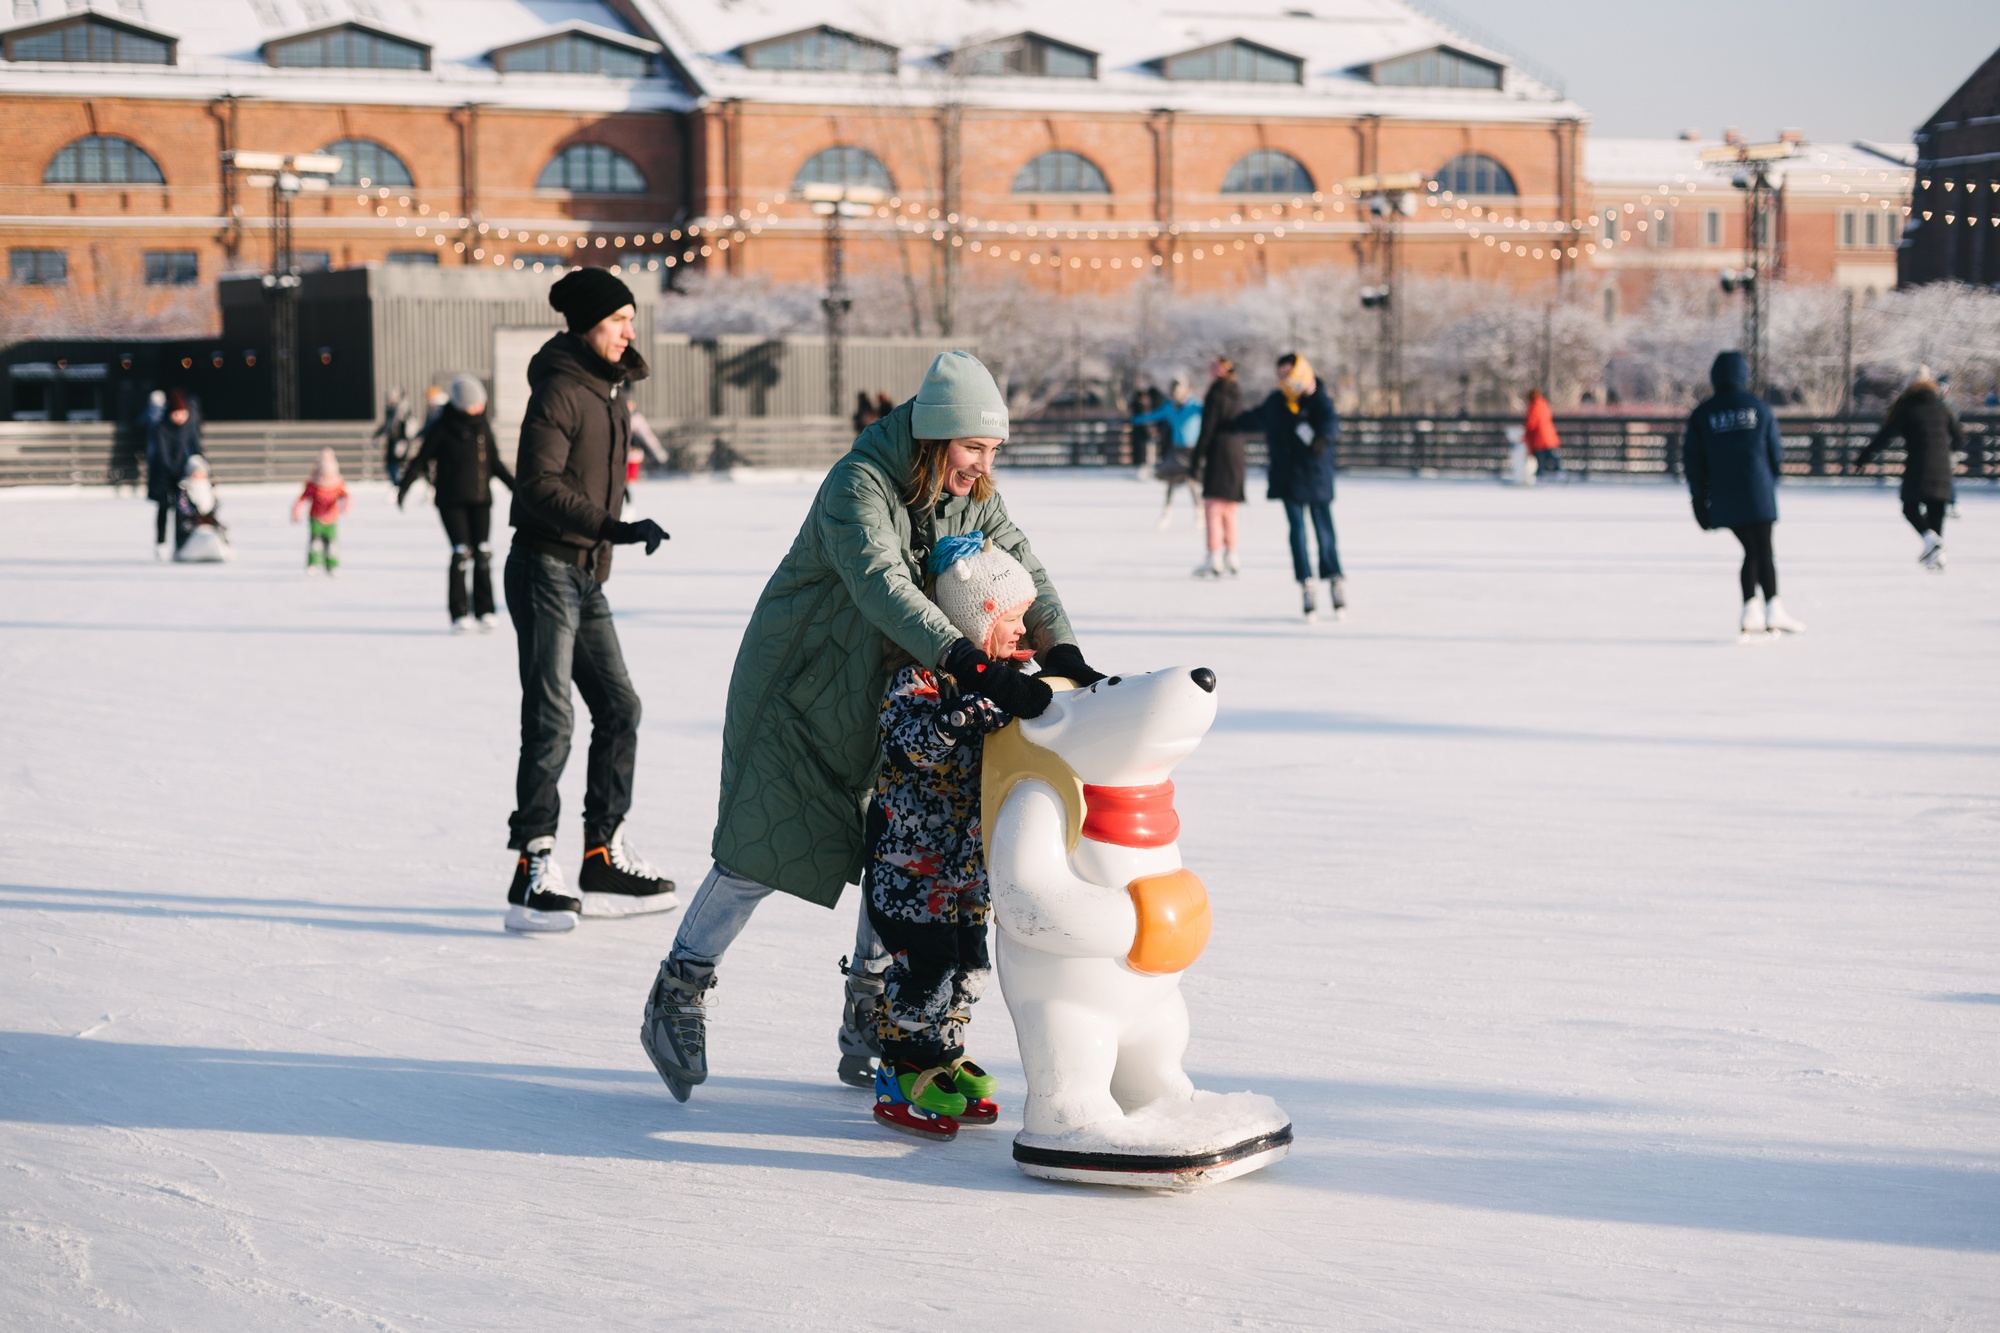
722,908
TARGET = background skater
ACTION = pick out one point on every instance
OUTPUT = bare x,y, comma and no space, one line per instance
568,491
1300,430
463,460
1930,432
1734,457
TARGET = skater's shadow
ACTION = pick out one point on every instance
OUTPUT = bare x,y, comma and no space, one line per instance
1565,1157
341,916
481,1106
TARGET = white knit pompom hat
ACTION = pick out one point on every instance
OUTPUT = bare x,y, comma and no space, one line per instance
976,589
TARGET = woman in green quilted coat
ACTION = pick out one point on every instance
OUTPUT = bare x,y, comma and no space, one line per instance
799,735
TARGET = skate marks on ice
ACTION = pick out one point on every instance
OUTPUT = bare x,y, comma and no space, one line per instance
1505,1151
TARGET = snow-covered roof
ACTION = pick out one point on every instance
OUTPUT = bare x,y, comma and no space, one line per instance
1129,37
1661,164
220,50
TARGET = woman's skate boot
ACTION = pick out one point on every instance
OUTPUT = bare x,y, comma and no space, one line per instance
915,1101
859,1045
674,1031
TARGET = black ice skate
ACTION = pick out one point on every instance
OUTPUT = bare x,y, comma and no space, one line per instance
616,881
538,902
674,1031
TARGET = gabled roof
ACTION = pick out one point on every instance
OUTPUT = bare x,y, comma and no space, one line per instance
580,28
91,12
344,25
1368,69
846,34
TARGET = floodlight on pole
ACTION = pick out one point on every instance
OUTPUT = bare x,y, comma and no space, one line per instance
286,176
834,202
1386,197
1753,176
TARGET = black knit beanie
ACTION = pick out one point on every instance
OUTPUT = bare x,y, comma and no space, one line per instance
586,295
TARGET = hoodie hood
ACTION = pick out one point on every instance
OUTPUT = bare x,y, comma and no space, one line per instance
1731,371
567,354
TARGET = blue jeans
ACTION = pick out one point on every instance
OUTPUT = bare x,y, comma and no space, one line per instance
564,636
1322,521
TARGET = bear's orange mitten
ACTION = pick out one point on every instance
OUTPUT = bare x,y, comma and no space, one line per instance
1174,922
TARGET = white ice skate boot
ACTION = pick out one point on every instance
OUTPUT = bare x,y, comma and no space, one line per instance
461,624
1933,553
1210,568
1778,622
1311,603
616,881
486,623
538,902
1336,596
1229,564
1752,623
163,552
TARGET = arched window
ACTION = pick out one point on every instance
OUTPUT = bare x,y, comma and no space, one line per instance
1475,173
1268,171
364,162
591,168
1060,171
102,159
844,166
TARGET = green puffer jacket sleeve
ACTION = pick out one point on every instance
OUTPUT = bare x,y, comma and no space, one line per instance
1048,625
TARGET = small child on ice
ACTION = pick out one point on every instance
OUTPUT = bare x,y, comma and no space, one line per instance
326,495
926,878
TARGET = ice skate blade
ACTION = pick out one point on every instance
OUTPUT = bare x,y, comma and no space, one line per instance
1754,636
527,921
1137,1171
677,1083
947,1127
608,905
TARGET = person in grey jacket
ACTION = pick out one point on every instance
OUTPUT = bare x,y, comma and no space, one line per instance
569,486
1734,457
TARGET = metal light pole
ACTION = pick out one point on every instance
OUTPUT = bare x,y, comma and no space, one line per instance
287,175
1387,199
1754,178
834,202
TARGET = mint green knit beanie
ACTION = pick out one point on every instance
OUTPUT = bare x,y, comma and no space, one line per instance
959,401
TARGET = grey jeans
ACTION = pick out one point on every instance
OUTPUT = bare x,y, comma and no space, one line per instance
722,908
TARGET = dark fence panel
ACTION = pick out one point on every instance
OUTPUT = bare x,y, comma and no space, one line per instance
99,454
1635,446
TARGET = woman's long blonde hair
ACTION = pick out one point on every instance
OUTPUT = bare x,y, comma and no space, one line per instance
927,468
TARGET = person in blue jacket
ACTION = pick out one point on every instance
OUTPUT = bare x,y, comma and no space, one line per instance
1182,414
1301,430
1734,458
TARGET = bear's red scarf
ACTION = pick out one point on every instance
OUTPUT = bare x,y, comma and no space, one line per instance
1131,816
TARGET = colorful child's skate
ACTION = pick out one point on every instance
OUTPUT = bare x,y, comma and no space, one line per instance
977,1087
917,1101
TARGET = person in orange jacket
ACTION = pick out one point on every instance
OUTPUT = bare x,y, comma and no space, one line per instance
1544,445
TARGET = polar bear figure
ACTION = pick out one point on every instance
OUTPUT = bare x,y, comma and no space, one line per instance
1097,919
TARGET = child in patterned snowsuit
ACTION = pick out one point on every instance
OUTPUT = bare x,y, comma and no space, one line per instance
326,495
926,878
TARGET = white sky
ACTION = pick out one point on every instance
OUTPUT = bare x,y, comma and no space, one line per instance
1837,69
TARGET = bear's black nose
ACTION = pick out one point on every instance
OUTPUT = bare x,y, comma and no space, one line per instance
1204,678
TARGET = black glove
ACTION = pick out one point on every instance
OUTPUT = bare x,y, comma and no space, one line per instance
971,715
976,673
1320,445
1066,660
645,530
1701,514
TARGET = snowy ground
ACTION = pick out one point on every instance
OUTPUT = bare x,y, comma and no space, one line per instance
1615,975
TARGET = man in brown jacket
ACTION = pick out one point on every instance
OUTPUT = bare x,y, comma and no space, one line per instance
569,489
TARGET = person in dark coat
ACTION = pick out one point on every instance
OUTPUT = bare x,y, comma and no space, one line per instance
569,488
1734,457
1930,433
462,460
393,434
170,442
1218,465
1301,431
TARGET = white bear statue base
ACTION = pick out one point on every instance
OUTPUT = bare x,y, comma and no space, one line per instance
1098,919
204,546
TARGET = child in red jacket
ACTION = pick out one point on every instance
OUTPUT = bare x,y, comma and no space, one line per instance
326,496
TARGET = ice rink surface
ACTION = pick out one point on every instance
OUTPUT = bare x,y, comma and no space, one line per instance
1615,975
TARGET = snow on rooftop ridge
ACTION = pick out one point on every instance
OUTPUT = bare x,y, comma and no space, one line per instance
1332,38
1652,163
